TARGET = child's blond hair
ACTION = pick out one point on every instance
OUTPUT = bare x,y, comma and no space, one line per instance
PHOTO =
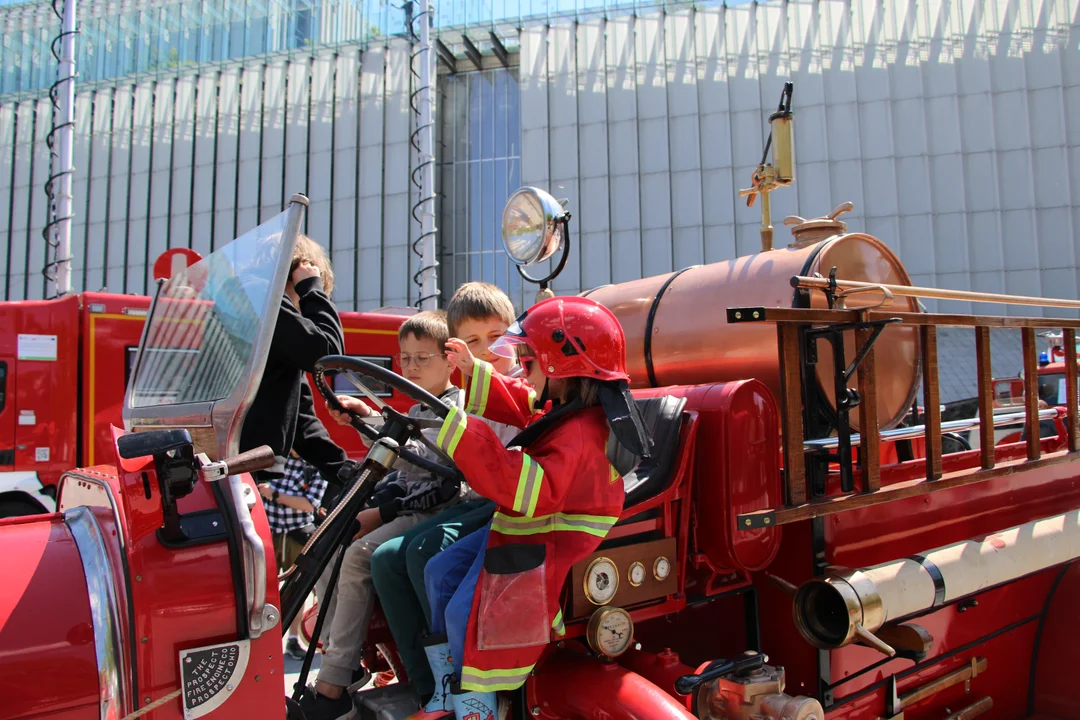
307,250
478,301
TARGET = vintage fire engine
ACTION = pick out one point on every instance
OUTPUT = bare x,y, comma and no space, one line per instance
799,544
64,365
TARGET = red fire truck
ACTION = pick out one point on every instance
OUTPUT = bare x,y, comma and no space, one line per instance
772,561
64,365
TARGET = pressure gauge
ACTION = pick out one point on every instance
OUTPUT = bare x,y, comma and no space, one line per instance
636,574
661,568
601,581
610,632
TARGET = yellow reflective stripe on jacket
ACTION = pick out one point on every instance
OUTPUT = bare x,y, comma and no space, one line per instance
479,387
597,525
557,624
453,428
528,488
487,680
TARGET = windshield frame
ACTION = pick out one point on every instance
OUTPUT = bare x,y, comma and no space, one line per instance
221,420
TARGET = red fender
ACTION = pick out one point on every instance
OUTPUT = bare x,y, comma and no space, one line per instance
575,687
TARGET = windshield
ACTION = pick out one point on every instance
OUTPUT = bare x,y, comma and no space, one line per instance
205,323
1052,388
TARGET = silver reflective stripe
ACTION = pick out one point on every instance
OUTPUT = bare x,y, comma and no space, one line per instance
101,586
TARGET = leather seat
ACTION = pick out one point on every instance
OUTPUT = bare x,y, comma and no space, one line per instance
663,419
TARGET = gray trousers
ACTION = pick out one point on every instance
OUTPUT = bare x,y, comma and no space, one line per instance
353,601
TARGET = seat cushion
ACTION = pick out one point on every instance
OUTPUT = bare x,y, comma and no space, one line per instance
663,419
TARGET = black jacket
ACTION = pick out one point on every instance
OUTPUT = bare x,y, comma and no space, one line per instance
283,412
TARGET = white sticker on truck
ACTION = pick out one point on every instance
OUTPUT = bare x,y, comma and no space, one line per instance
41,454
37,347
27,417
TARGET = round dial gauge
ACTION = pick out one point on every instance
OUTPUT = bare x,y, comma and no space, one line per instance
636,575
661,568
611,631
601,581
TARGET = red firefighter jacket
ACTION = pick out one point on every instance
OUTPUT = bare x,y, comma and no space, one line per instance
557,499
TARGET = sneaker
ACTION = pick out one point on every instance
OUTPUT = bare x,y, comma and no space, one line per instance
360,678
384,678
293,649
320,707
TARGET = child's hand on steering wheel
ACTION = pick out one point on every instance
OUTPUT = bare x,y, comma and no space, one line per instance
459,355
353,405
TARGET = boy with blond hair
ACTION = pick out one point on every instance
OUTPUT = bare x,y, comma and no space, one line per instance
479,314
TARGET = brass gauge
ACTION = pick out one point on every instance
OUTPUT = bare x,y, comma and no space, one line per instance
661,568
610,632
636,574
601,581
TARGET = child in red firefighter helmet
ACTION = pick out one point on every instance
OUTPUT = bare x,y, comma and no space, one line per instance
556,491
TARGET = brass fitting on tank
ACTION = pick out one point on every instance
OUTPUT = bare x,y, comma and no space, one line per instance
756,695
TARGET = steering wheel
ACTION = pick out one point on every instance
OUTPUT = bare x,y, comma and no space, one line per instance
394,424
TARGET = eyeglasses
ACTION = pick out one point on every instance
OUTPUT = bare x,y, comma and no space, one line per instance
421,359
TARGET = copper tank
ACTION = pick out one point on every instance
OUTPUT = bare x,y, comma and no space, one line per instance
692,342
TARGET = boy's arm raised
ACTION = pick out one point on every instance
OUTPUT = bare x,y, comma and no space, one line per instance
488,393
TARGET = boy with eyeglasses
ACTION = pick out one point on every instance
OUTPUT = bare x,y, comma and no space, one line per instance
398,505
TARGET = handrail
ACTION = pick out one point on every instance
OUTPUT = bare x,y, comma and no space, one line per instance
819,283
907,433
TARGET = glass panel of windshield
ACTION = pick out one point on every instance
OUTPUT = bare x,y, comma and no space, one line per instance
201,335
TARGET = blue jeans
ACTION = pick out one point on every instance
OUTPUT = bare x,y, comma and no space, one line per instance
451,578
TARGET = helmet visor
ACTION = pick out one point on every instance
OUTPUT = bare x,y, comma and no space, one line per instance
513,346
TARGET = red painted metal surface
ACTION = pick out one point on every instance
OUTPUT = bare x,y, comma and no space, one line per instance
1059,652
570,685
44,389
184,598
48,664
1005,680
738,470
111,327
661,669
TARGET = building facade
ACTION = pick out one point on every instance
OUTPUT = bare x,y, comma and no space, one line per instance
952,127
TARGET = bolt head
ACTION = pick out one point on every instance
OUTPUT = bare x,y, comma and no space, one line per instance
536,710
738,316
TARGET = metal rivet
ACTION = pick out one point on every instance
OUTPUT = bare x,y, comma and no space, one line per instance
138,578
146,700
215,523
536,710
767,521
229,688
144,641
551,368
187,660
738,316
258,678
756,315
747,522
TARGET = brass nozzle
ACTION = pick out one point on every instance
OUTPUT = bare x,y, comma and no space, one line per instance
830,611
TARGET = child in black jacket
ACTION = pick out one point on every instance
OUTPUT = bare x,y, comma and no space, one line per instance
308,328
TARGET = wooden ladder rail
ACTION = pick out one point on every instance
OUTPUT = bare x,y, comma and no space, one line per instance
789,321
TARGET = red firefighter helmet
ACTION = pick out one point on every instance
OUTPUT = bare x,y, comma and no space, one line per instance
569,337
